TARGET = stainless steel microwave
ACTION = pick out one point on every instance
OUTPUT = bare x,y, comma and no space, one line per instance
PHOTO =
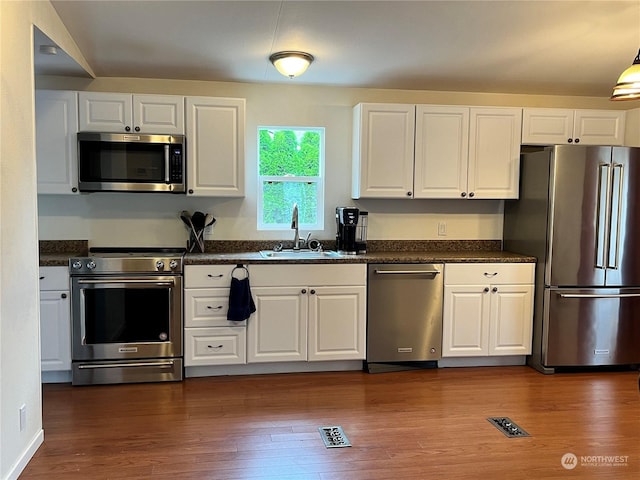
116,162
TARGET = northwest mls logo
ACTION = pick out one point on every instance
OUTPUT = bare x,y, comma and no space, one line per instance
569,461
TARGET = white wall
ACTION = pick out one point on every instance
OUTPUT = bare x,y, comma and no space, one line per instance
152,219
19,310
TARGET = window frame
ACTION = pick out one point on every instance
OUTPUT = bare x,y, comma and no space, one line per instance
318,180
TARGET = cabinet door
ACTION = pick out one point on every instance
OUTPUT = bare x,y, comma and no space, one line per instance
547,126
215,146
511,320
277,331
383,150
465,328
441,151
599,127
55,331
494,152
337,323
56,141
105,112
158,114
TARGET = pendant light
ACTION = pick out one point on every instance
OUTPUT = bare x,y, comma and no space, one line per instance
628,86
291,64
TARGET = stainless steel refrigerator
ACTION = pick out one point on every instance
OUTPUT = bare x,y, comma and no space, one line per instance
579,214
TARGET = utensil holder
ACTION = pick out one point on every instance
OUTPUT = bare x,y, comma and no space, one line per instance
195,244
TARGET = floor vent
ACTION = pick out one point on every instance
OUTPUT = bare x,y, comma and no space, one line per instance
334,437
507,426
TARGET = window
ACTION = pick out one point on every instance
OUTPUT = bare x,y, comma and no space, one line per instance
290,170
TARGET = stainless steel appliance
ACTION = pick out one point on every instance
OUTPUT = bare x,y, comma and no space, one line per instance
112,162
126,308
577,213
404,319
351,230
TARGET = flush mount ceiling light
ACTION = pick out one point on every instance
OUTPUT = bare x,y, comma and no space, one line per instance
291,64
628,86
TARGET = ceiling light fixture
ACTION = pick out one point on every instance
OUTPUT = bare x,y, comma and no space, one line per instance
628,86
291,64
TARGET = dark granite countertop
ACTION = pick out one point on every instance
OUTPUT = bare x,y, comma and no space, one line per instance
58,252
468,256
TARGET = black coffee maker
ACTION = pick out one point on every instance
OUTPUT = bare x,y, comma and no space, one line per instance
351,236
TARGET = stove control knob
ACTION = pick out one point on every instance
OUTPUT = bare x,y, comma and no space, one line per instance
91,265
173,264
77,265
160,265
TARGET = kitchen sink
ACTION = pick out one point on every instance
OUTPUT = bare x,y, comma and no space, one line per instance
302,254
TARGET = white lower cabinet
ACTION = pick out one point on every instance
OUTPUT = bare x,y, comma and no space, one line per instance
307,312
488,309
55,319
209,338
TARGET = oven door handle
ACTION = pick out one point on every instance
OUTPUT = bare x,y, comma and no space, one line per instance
168,363
143,281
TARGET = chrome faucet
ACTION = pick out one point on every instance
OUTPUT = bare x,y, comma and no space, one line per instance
294,225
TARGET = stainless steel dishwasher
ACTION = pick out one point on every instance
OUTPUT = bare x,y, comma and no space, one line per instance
404,315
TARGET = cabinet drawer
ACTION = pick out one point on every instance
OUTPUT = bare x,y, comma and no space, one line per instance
215,346
207,308
54,278
208,276
488,273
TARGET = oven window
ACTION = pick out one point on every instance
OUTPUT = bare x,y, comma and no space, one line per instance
126,315
122,162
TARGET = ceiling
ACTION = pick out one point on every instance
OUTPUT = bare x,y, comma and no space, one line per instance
518,46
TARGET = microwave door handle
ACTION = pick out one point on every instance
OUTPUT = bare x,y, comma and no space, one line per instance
166,163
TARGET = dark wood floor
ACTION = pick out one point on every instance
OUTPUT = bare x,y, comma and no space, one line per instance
428,424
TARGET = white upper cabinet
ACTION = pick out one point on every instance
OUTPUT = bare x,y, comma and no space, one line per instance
439,152
494,153
442,151
554,126
215,146
127,113
56,141
383,150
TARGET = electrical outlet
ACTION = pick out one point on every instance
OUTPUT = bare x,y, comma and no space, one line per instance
23,417
208,233
442,229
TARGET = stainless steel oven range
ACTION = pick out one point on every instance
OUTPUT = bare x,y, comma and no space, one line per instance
126,309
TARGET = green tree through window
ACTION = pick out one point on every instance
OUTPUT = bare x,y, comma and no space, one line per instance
290,170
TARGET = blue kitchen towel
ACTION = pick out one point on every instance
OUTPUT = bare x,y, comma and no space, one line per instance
241,304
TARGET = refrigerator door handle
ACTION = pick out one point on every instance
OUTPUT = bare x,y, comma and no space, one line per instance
596,295
615,212
602,216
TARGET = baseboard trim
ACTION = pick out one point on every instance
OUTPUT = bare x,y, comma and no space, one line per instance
26,456
497,361
267,368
